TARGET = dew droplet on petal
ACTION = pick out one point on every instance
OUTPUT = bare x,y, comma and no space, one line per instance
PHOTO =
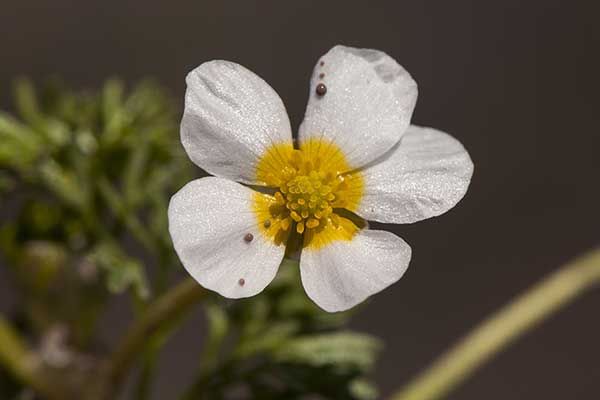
242,282
248,237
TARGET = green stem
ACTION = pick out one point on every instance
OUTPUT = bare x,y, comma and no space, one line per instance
143,388
500,329
24,364
162,311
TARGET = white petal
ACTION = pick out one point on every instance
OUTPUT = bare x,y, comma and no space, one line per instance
368,105
424,176
231,117
208,221
344,273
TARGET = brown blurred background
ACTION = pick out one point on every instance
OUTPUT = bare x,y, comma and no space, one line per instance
516,82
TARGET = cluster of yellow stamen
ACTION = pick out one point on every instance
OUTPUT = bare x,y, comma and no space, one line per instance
307,198
311,184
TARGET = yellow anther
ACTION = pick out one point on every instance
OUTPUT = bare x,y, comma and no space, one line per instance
301,202
312,223
300,227
304,214
295,216
285,224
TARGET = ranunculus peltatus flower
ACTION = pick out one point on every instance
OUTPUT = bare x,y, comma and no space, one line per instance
357,159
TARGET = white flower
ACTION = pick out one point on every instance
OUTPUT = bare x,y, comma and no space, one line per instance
357,155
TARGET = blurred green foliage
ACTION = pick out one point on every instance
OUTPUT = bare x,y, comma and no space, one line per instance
85,180
88,169
279,345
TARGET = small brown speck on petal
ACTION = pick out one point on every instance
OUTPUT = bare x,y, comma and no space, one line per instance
321,75
322,63
242,282
321,89
267,223
248,237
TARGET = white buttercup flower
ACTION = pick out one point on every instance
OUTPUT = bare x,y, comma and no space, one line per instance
357,156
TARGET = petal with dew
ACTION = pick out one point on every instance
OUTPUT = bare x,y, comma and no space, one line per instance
216,235
423,176
367,105
344,273
231,118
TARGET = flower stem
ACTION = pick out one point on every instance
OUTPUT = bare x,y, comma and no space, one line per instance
500,329
24,364
164,310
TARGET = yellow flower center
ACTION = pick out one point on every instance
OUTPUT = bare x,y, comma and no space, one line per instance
313,184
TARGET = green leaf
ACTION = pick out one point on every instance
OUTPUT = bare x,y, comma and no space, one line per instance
277,334
122,272
20,146
112,98
344,350
120,209
26,102
54,130
86,142
64,184
363,389
133,172
113,114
